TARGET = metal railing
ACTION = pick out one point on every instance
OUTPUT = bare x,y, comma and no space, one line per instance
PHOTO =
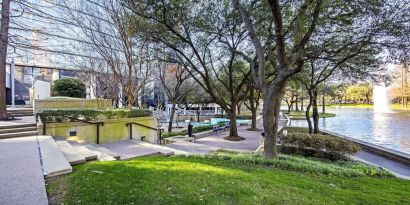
78,120
159,131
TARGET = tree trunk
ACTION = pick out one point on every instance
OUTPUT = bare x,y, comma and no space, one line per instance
198,113
239,108
307,113
296,103
301,104
4,36
171,117
315,113
254,115
323,103
233,127
271,109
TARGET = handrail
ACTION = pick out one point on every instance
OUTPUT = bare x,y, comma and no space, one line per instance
142,125
93,123
159,131
79,120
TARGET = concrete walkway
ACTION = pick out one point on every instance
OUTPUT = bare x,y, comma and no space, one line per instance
250,144
21,120
396,168
21,176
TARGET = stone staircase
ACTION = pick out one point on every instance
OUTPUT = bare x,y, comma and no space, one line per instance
18,130
20,112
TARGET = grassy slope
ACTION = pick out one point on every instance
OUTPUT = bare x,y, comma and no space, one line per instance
369,106
226,180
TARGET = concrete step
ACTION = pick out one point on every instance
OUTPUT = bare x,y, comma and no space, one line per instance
84,151
52,158
18,129
18,126
70,152
128,149
99,148
18,134
102,154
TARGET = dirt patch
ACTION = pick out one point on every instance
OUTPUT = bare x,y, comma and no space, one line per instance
234,138
56,189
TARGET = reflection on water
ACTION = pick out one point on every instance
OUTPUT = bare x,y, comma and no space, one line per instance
390,130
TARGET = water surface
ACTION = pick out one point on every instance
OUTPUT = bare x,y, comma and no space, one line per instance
391,130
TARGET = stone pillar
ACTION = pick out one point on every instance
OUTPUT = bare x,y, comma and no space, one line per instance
12,83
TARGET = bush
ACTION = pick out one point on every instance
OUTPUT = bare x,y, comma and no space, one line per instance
317,145
58,116
185,131
68,87
241,117
299,164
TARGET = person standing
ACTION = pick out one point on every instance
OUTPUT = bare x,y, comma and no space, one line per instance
190,129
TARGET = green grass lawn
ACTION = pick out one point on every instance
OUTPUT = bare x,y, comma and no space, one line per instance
368,106
226,178
301,115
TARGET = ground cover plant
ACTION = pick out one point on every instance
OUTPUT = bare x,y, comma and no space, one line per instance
226,178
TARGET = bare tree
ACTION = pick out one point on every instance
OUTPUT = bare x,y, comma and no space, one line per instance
177,84
126,54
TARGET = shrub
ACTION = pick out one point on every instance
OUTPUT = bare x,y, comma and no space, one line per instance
242,117
53,116
185,131
299,164
68,87
317,145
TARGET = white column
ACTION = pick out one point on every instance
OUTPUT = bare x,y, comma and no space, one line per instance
216,109
12,83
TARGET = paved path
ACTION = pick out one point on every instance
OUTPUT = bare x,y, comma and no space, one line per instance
187,148
250,144
21,177
398,169
22,120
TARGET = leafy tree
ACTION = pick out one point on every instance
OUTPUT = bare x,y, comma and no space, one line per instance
203,36
200,99
68,87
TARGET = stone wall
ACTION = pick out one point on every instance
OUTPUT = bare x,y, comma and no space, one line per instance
112,130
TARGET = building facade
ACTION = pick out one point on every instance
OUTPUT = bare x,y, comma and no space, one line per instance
24,77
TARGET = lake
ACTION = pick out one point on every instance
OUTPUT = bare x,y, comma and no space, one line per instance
391,130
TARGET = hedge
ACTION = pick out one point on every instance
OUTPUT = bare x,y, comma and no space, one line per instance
185,131
317,145
239,117
58,116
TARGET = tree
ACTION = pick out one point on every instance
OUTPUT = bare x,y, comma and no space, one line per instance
286,59
105,29
198,98
203,36
68,87
360,93
286,35
177,84
4,37
252,103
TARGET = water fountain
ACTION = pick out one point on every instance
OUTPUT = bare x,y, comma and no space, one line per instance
381,99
